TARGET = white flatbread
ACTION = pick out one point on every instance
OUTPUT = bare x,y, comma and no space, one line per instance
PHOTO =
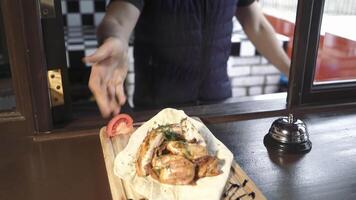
205,188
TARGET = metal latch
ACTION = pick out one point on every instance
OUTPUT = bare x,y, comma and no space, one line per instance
55,87
48,9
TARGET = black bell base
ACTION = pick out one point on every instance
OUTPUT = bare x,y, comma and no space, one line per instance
292,148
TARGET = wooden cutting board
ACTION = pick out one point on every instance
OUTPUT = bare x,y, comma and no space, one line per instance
238,186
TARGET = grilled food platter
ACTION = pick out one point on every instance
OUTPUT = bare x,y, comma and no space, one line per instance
169,157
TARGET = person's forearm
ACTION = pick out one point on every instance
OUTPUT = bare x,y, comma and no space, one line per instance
263,36
119,21
268,45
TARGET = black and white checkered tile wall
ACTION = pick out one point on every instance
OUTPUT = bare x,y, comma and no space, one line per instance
83,12
80,41
249,72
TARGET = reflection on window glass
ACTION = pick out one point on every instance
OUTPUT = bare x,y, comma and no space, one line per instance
7,98
336,61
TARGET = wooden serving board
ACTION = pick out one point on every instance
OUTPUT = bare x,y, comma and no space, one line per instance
238,186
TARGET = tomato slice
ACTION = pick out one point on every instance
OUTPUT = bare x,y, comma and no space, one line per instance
120,124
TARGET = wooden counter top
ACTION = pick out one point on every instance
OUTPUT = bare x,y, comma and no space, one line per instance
73,168
327,172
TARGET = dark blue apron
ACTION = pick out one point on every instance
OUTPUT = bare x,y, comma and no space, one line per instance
181,49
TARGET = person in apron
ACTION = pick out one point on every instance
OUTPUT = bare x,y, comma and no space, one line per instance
181,48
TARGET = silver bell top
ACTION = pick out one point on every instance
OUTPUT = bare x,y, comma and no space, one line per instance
289,130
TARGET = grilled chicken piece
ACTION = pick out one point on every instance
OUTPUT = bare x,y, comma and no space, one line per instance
176,128
191,133
208,166
175,154
185,131
144,155
174,169
189,150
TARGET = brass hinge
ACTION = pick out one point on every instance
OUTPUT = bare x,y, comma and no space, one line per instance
47,9
55,87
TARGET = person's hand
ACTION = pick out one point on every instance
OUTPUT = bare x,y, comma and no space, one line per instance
108,73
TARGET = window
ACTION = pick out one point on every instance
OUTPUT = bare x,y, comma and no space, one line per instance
7,97
318,75
336,56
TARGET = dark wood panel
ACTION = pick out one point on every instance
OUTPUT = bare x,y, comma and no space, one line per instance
56,170
87,115
27,60
12,14
37,61
73,167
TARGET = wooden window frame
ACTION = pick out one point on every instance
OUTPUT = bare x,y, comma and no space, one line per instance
28,69
302,92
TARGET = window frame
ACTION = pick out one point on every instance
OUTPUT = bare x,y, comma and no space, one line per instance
302,91
23,35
